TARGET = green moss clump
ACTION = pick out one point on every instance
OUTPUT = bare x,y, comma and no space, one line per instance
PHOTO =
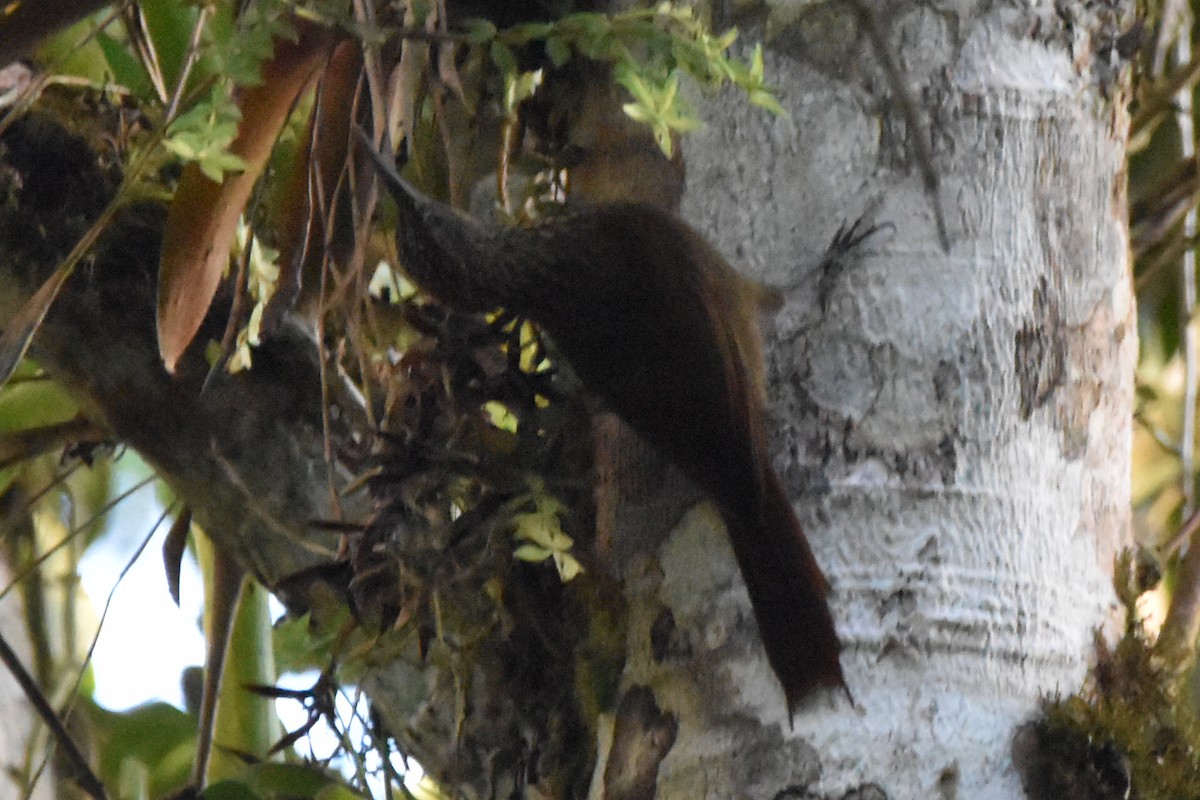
1128,733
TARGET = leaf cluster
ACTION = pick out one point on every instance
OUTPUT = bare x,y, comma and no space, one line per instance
479,469
649,48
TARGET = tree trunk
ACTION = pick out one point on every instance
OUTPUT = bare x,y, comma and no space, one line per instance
953,424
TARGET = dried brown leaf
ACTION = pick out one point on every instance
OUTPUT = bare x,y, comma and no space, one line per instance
203,218
311,192
173,549
19,332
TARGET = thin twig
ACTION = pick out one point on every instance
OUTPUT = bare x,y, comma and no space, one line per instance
917,126
29,569
33,442
31,92
193,54
1186,531
140,38
1187,138
1181,81
54,482
100,624
423,35
86,779
1167,257
236,309
1177,636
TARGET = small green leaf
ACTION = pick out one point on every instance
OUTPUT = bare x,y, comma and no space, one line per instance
134,780
170,25
665,142
204,133
299,646
636,112
558,50
503,57
532,358
127,71
756,63
230,790
590,32
336,791
764,99
543,536
527,32
531,552
481,31
290,780
670,90
567,565
519,87
215,165
152,734
634,83
589,25
499,416
235,48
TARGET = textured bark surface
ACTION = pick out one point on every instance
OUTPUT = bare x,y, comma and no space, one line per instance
954,426
247,456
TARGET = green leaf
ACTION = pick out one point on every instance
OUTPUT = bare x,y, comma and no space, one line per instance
503,57
633,82
481,31
300,646
756,64
558,50
63,49
543,536
230,790
152,734
527,32
567,565
590,33
235,48
638,113
531,552
204,133
587,24
34,404
134,780
519,87
281,781
764,99
126,70
170,24
336,791
499,416
669,92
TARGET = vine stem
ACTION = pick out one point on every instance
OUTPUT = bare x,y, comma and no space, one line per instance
86,778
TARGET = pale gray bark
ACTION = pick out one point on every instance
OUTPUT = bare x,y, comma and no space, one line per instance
955,426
